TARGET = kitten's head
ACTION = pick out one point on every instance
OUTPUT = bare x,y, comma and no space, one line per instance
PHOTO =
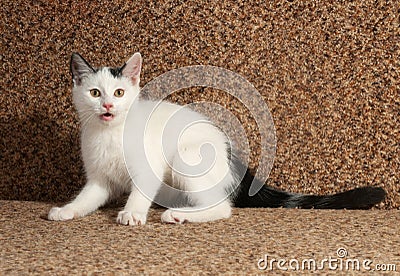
104,95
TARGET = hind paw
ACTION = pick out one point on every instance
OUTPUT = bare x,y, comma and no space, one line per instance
173,217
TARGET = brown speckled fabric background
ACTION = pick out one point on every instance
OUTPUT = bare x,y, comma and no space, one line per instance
329,72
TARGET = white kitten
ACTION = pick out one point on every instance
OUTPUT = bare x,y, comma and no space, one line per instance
129,145
103,98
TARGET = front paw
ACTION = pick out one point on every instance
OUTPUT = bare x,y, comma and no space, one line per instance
59,214
131,218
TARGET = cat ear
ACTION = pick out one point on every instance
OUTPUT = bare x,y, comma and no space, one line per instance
132,68
79,68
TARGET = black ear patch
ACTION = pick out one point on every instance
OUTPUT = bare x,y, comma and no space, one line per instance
79,68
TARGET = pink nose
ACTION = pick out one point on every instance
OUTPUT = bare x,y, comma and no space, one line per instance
107,105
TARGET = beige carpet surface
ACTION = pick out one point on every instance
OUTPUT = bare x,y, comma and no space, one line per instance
29,244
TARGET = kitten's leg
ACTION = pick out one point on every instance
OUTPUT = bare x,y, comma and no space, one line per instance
193,214
92,196
207,193
139,201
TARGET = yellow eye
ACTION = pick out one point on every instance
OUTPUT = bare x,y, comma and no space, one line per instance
95,93
119,93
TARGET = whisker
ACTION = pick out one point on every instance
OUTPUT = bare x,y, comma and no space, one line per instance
85,120
86,111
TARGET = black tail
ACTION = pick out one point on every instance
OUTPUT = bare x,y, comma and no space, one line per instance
359,198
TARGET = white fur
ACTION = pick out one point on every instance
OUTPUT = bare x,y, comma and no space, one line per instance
168,151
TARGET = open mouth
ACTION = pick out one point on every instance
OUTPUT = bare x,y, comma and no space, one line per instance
106,116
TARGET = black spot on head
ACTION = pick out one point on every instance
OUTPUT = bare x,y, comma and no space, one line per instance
116,72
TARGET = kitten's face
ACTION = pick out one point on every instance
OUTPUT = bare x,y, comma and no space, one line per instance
103,96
